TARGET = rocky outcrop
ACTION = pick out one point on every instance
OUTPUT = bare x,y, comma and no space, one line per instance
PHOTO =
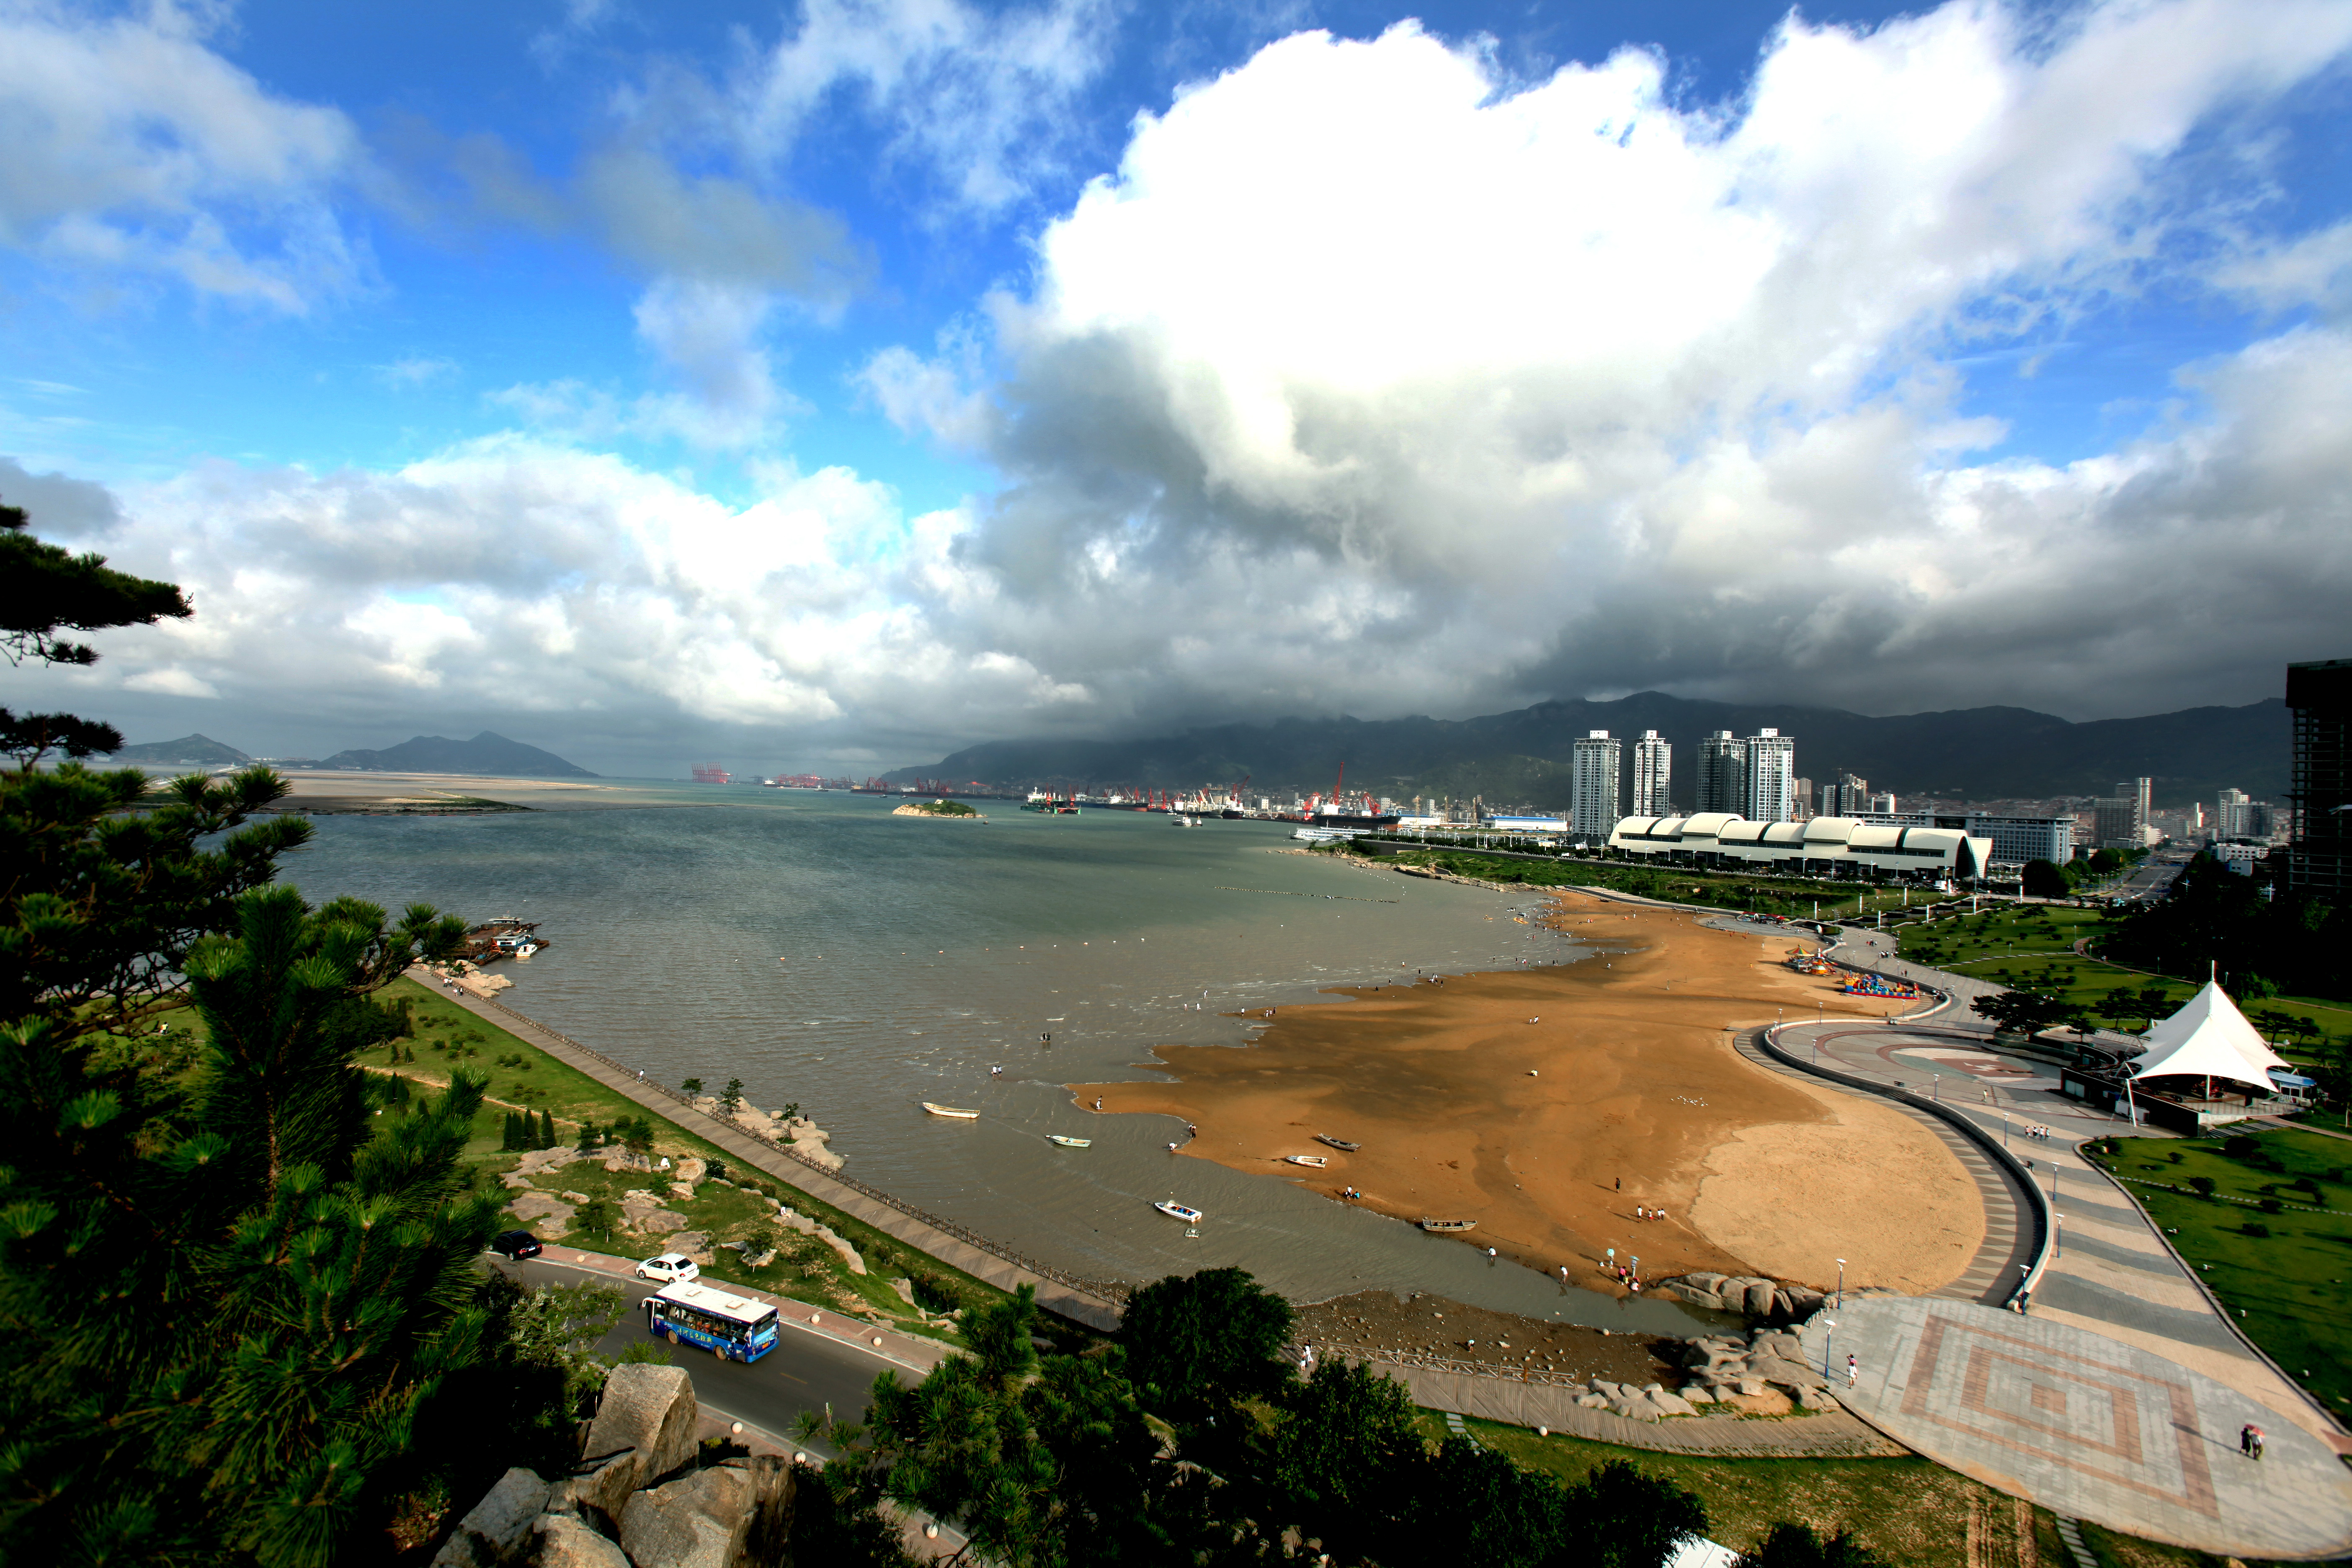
1769,1299
791,1220
1719,1366
638,1499
498,1526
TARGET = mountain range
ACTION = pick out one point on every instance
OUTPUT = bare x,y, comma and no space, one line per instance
1968,753
486,753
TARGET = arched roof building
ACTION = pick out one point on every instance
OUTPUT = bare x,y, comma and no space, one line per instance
1826,845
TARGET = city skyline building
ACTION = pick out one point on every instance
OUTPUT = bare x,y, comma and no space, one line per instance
1721,778
1770,766
1593,771
2319,791
1654,772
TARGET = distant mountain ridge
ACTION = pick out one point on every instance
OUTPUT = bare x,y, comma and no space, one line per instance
486,753
200,751
1975,753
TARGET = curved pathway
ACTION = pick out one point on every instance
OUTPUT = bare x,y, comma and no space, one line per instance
2013,1230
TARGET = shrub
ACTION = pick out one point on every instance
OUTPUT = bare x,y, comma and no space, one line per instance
2271,1206
2204,1186
2255,1228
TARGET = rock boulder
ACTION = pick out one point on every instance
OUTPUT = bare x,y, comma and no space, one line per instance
499,1526
649,1411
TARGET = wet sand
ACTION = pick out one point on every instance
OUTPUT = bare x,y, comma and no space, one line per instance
1547,1103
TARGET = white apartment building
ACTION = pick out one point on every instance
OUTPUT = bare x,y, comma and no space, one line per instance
1769,765
1593,770
1654,770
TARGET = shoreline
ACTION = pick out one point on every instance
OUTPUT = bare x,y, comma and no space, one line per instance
1546,1103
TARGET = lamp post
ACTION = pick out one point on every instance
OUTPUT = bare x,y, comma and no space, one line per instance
2058,1237
1841,1289
1829,1345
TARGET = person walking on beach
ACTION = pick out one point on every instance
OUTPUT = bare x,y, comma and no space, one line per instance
1099,1102
1853,1370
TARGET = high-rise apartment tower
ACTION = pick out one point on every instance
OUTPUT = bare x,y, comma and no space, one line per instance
1654,772
1771,769
1722,774
2319,792
1593,770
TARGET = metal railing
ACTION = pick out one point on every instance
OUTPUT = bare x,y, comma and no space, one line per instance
1109,1291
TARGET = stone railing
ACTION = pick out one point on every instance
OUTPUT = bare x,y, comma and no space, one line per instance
1113,1292
1325,1350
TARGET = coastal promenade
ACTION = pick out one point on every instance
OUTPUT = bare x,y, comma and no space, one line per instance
924,1233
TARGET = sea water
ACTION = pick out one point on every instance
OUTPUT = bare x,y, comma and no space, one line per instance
830,954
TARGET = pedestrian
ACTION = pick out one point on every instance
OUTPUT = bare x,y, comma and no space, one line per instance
1621,1184
1853,1370
1097,1102
1639,1212
1490,1255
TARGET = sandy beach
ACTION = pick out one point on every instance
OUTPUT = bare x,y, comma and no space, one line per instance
1547,1103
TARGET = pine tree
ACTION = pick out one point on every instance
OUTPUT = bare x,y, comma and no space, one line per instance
231,1301
546,1131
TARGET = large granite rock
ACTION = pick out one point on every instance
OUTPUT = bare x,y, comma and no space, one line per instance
566,1540
499,1526
699,1521
650,1412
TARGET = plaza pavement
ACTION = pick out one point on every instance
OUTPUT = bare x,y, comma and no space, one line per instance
2087,1425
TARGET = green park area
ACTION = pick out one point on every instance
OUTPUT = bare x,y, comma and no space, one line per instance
2032,947
1905,1512
1787,897
2266,1221
446,1037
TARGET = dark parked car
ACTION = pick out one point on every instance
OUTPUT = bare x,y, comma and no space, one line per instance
515,1245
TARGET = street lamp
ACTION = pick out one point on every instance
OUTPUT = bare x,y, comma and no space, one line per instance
1829,1345
1841,1289
2058,1237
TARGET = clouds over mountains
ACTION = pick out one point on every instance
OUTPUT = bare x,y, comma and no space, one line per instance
1371,381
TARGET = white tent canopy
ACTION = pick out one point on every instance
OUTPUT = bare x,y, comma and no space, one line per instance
2208,1038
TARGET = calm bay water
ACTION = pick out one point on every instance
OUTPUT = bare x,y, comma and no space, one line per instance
825,951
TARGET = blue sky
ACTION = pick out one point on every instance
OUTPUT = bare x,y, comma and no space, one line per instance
831,385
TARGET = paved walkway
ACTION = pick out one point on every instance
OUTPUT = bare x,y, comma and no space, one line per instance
1054,1295
2086,1426
2111,1271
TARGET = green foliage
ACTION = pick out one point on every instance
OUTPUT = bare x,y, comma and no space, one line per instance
2213,916
235,1301
692,1086
2203,1185
1191,1340
46,589
1796,1546
104,889
730,1099
2046,879
2025,1011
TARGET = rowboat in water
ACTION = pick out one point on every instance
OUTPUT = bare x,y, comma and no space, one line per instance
958,1113
1313,1162
1069,1142
1444,1226
1337,1142
1175,1210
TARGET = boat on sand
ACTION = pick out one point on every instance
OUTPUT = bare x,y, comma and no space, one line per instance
1313,1162
1069,1142
1337,1142
1175,1210
954,1111
1441,1226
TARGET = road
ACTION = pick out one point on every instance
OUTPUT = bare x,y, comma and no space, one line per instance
805,1372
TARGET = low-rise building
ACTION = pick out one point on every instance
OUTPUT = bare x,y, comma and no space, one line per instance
1825,846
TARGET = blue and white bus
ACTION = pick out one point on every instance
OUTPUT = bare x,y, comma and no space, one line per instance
733,1328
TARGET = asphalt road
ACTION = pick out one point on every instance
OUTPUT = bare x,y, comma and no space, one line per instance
803,1372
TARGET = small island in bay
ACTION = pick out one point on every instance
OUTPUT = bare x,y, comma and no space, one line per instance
939,808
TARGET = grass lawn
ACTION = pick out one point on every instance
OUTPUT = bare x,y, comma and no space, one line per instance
2284,1272
446,1037
1789,897
1912,1512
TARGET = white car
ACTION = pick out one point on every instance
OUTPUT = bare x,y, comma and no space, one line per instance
670,1269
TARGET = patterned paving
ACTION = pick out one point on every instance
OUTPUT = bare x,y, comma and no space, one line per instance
2087,1426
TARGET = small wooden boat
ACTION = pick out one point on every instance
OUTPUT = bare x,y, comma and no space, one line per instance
1069,1142
958,1114
1314,1161
1175,1210
1337,1142
1443,1226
